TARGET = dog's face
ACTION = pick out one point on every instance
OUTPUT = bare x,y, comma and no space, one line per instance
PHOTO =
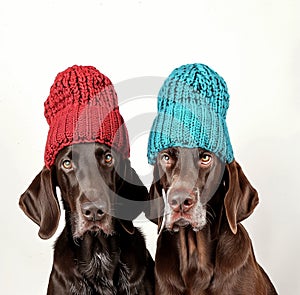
189,177
98,187
87,180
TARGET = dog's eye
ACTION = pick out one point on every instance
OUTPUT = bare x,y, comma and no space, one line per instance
165,157
67,164
108,158
205,159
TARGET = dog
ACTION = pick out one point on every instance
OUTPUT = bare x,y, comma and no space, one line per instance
202,248
97,252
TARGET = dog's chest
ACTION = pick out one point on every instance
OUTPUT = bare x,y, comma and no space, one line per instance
101,272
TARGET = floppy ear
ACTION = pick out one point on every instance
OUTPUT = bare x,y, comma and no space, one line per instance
241,198
130,188
156,209
39,203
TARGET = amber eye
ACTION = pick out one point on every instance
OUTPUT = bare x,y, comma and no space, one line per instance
165,158
67,164
205,159
108,158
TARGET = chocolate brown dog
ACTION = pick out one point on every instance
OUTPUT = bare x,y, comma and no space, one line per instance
202,248
99,252
96,253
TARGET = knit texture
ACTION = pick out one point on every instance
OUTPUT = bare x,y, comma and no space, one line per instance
192,106
83,107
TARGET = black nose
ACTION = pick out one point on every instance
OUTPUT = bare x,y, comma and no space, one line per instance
92,211
181,201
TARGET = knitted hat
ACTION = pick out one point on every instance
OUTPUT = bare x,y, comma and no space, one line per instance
192,105
83,107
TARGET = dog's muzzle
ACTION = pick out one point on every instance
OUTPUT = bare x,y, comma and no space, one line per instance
183,208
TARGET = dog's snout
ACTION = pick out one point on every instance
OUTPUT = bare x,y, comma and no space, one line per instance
93,211
181,201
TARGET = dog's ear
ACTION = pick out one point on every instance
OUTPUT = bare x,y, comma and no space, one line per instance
241,198
131,188
156,208
40,204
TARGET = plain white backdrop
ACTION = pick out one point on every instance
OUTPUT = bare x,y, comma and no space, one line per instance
254,45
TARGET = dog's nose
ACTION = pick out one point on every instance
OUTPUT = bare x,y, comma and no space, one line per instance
92,211
181,202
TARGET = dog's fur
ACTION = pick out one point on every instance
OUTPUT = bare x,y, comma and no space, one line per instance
202,248
97,252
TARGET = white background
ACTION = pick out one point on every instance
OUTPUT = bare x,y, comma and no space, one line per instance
254,45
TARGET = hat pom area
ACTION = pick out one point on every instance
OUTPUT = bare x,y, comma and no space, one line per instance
192,105
83,107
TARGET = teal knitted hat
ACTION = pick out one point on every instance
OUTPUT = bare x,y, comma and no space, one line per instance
192,106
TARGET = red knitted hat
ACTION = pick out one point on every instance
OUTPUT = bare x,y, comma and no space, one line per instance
83,107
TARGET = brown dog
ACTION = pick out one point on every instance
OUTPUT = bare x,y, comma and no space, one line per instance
98,252
202,247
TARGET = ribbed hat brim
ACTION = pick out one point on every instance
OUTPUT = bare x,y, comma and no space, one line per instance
89,123
180,126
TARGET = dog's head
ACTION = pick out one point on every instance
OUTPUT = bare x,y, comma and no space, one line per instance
93,180
187,180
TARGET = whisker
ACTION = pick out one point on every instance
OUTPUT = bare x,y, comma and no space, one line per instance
209,219
210,211
164,213
76,241
210,214
198,193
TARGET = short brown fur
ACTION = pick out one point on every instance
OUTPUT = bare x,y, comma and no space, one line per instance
219,258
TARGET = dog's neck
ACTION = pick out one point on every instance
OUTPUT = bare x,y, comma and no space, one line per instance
97,258
91,246
198,248
195,257
98,255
